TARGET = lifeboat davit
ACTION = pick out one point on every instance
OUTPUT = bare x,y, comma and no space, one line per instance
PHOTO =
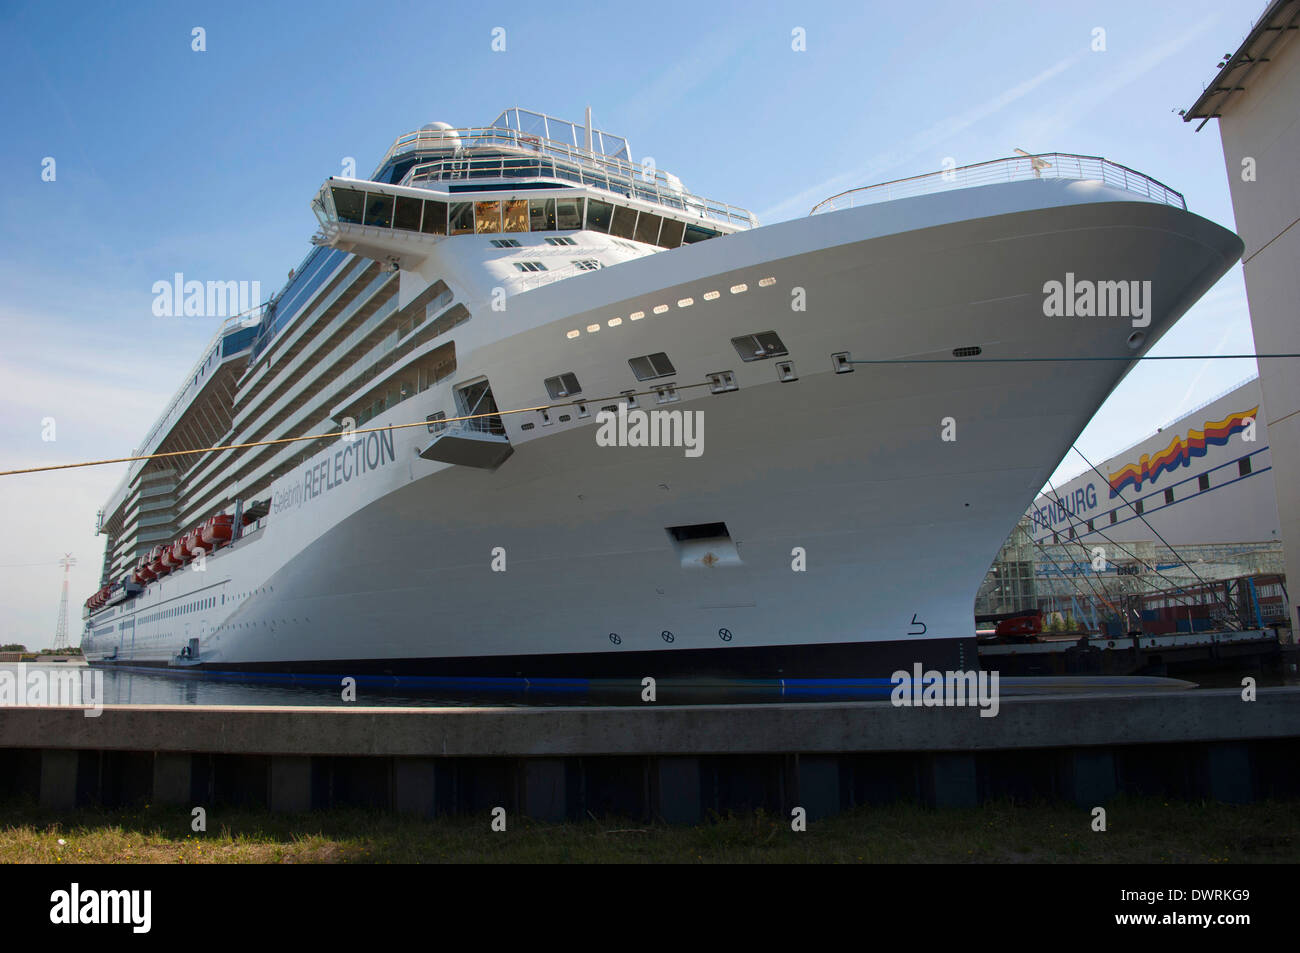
218,530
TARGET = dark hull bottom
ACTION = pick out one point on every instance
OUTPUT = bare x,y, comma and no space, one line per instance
824,660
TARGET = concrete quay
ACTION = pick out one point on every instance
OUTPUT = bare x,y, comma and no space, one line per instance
676,763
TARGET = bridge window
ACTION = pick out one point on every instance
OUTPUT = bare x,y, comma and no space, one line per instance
530,266
462,218
435,218
624,223
515,215
505,243
488,217
587,264
670,236
379,210
407,214
695,233
349,204
562,240
647,228
568,213
541,215
598,215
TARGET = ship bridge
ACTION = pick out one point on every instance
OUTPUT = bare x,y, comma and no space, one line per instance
527,172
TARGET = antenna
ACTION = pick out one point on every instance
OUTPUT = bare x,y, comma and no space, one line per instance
67,561
1037,163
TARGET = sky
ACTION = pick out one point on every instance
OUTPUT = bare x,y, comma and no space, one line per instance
168,159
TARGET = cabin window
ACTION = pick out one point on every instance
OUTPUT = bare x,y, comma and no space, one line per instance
1138,507
530,266
587,264
434,425
562,240
759,347
1114,517
379,210
1169,496
505,243
651,366
1203,482
1243,466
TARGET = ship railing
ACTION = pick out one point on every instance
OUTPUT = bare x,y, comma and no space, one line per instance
1048,165
554,160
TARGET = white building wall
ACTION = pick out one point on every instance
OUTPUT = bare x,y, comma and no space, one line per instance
1262,122
1235,508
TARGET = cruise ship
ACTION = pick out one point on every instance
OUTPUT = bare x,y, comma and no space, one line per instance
426,458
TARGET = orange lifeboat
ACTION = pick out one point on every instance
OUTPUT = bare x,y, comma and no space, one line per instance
193,542
144,574
157,564
217,530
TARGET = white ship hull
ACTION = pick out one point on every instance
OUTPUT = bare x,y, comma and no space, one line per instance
376,561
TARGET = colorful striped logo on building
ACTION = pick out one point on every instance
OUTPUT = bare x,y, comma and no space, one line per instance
1180,451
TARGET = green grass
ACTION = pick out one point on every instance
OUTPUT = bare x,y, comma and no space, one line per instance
1140,831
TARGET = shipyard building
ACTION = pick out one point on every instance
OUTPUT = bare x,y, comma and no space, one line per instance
1180,532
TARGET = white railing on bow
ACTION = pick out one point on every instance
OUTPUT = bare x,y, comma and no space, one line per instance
1050,165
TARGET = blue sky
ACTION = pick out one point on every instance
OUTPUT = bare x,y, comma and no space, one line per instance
173,160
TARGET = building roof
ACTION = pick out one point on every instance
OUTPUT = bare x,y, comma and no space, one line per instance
1238,70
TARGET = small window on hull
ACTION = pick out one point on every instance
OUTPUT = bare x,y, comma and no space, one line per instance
760,346
652,366
563,385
